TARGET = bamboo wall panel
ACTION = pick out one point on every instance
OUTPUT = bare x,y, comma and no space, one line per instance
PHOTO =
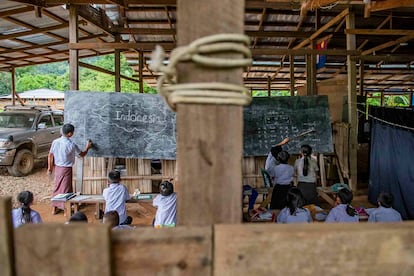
95,169
139,173
169,170
138,167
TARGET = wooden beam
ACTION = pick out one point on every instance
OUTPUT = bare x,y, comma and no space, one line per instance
332,22
34,31
390,4
352,105
209,147
292,74
388,44
99,69
117,61
97,17
378,32
140,71
169,31
120,45
73,53
16,11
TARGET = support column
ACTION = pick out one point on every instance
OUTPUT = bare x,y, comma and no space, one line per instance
269,86
292,75
117,67
13,85
210,137
361,78
352,103
73,54
141,69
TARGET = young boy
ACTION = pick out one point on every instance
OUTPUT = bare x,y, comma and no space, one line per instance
112,219
166,204
385,212
115,195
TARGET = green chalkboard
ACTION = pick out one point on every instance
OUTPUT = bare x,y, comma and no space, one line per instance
268,120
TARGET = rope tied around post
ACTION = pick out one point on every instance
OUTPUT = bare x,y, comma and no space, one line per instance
198,52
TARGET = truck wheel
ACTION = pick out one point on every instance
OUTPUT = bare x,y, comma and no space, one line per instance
23,163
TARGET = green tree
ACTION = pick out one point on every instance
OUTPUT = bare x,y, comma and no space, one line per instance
5,83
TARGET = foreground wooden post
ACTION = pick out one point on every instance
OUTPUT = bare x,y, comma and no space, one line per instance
6,238
352,104
209,146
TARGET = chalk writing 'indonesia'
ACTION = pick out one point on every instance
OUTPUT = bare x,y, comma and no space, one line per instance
134,117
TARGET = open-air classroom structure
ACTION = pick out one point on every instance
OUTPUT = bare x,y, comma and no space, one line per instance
223,47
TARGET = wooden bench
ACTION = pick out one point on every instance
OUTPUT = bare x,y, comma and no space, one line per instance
72,205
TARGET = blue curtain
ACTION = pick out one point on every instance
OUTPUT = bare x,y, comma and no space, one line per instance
392,166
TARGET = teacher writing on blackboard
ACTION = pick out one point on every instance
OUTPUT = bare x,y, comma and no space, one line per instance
61,158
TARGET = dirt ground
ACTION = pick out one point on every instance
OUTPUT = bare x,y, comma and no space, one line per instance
42,187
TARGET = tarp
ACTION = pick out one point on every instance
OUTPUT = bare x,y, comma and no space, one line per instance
391,158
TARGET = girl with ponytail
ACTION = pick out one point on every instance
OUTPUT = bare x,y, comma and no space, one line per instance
305,170
24,214
343,212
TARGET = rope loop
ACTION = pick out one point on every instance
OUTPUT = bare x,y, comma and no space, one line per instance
198,52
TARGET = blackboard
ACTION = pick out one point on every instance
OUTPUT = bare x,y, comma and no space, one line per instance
142,126
268,120
122,124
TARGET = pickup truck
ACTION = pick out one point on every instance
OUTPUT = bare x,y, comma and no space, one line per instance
26,133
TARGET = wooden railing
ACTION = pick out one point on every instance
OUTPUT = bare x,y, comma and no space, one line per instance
238,249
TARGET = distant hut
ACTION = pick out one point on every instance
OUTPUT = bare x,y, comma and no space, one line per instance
43,96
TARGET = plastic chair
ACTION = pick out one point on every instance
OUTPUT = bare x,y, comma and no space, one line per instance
267,180
267,183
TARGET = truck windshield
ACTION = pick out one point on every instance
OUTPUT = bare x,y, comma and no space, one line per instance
16,120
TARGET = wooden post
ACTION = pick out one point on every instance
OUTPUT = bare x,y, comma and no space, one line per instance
73,54
141,69
13,85
352,104
292,75
322,170
361,77
6,238
269,86
117,67
210,141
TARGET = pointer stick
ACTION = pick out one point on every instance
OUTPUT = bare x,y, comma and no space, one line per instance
303,133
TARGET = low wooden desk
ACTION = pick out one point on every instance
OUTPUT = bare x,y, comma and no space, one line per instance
99,202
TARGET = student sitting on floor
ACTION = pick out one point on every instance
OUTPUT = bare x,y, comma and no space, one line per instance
116,195
78,217
24,214
112,219
166,204
343,212
294,211
385,212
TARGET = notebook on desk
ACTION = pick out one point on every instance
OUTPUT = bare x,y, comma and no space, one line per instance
63,197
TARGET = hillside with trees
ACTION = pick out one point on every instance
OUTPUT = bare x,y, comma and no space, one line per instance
56,76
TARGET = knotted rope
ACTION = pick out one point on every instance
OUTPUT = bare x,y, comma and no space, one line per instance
198,52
